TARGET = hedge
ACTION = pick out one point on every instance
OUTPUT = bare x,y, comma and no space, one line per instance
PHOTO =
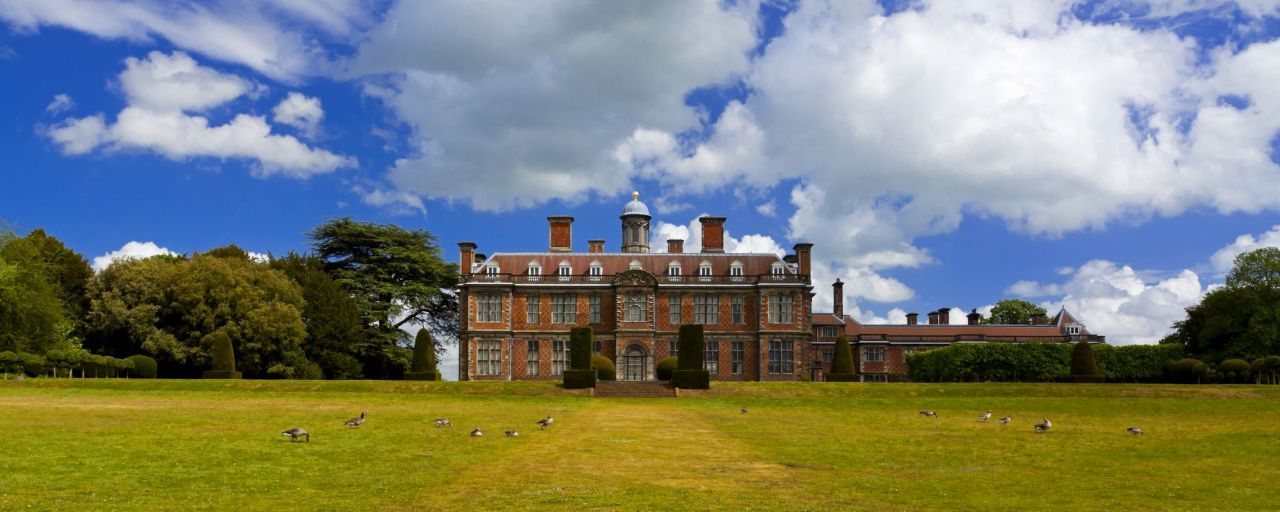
843,361
224,358
144,367
1084,367
580,348
1234,370
579,379
424,358
690,373
605,370
691,379
667,365
1038,362
843,377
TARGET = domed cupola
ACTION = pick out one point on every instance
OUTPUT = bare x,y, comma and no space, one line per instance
635,225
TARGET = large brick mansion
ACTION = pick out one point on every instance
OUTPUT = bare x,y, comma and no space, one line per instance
518,307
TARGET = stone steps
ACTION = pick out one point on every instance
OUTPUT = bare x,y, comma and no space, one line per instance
626,389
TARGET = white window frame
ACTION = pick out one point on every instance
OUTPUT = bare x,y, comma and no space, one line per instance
737,357
674,306
489,308
704,271
535,271
706,309
633,307
595,271
489,357
738,310
564,308
673,348
533,309
778,270
875,354
735,270
593,309
781,306
564,271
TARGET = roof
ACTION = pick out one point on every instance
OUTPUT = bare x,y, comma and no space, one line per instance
826,319
619,262
1054,328
635,207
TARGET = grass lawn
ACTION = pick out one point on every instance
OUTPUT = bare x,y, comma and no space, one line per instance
215,445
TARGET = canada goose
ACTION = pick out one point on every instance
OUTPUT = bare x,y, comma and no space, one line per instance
545,422
1134,430
1044,426
928,413
744,410
985,416
477,432
1005,420
295,433
355,422
512,433
443,422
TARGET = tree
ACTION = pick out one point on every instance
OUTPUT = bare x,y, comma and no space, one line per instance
396,277
1241,319
424,358
842,362
335,339
32,315
66,270
690,373
166,307
224,357
1259,269
1014,312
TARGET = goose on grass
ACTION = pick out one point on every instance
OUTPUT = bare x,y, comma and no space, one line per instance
296,433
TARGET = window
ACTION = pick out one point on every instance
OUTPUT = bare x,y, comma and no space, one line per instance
711,357
737,309
673,348
559,356
777,270
873,353
706,309
535,270
593,309
489,307
635,234
735,270
491,270
533,312
673,309
704,269
780,308
489,357
875,378
1073,330
635,307
673,270
564,308
635,265
531,359
828,354
737,357
827,331
779,356
564,271
598,345
596,270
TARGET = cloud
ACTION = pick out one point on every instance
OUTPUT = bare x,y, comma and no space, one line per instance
282,39
301,112
529,100
1224,259
130,250
1034,289
691,233
162,91
61,103
769,209
397,202
1118,302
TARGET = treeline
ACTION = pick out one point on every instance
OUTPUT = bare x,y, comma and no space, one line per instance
338,312
1038,362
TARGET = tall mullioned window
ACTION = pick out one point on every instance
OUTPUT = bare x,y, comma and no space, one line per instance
634,307
559,356
711,357
737,309
533,311
873,353
780,308
531,359
564,308
706,309
779,356
593,309
673,309
737,357
489,307
673,348
489,357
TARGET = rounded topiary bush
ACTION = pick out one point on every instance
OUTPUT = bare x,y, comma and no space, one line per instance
605,370
666,365
1183,370
144,367
1235,370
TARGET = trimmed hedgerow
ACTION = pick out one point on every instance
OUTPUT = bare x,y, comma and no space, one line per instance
1041,362
1234,370
605,370
1186,371
579,379
144,367
580,348
667,365
1084,367
1135,363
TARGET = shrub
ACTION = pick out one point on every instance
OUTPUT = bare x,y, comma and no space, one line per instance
9,363
604,368
691,379
1235,370
691,347
1183,370
224,358
33,364
144,367
580,348
977,362
1258,368
843,377
1136,363
1273,368
1084,367
424,358
579,379
666,365
1203,372
842,363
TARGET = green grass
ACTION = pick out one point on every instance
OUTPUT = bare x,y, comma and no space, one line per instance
201,445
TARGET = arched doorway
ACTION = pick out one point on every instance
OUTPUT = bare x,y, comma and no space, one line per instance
635,362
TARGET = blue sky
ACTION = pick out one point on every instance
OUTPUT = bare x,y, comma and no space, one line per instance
1109,156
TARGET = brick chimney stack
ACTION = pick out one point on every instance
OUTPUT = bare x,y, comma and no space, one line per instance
466,257
803,251
561,233
944,316
712,234
1038,319
837,299
913,318
595,246
675,245
974,317
933,318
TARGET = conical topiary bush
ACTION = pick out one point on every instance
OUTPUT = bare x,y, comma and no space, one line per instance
224,357
1084,367
424,358
842,362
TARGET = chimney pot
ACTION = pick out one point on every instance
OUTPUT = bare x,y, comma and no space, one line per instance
595,246
974,317
933,318
803,251
675,245
913,318
944,316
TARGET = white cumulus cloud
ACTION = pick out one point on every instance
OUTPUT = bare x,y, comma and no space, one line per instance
61,103
1222,260
130,250
301,112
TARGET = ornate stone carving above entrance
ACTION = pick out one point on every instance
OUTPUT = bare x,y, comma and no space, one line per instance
635,278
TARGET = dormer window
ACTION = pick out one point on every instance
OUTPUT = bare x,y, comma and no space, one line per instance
565,270
1073,330
735,271
673,269
535,270
595,270
491,270
778,270
704,269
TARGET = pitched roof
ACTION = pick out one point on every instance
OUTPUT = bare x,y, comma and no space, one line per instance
1056,328
617,263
